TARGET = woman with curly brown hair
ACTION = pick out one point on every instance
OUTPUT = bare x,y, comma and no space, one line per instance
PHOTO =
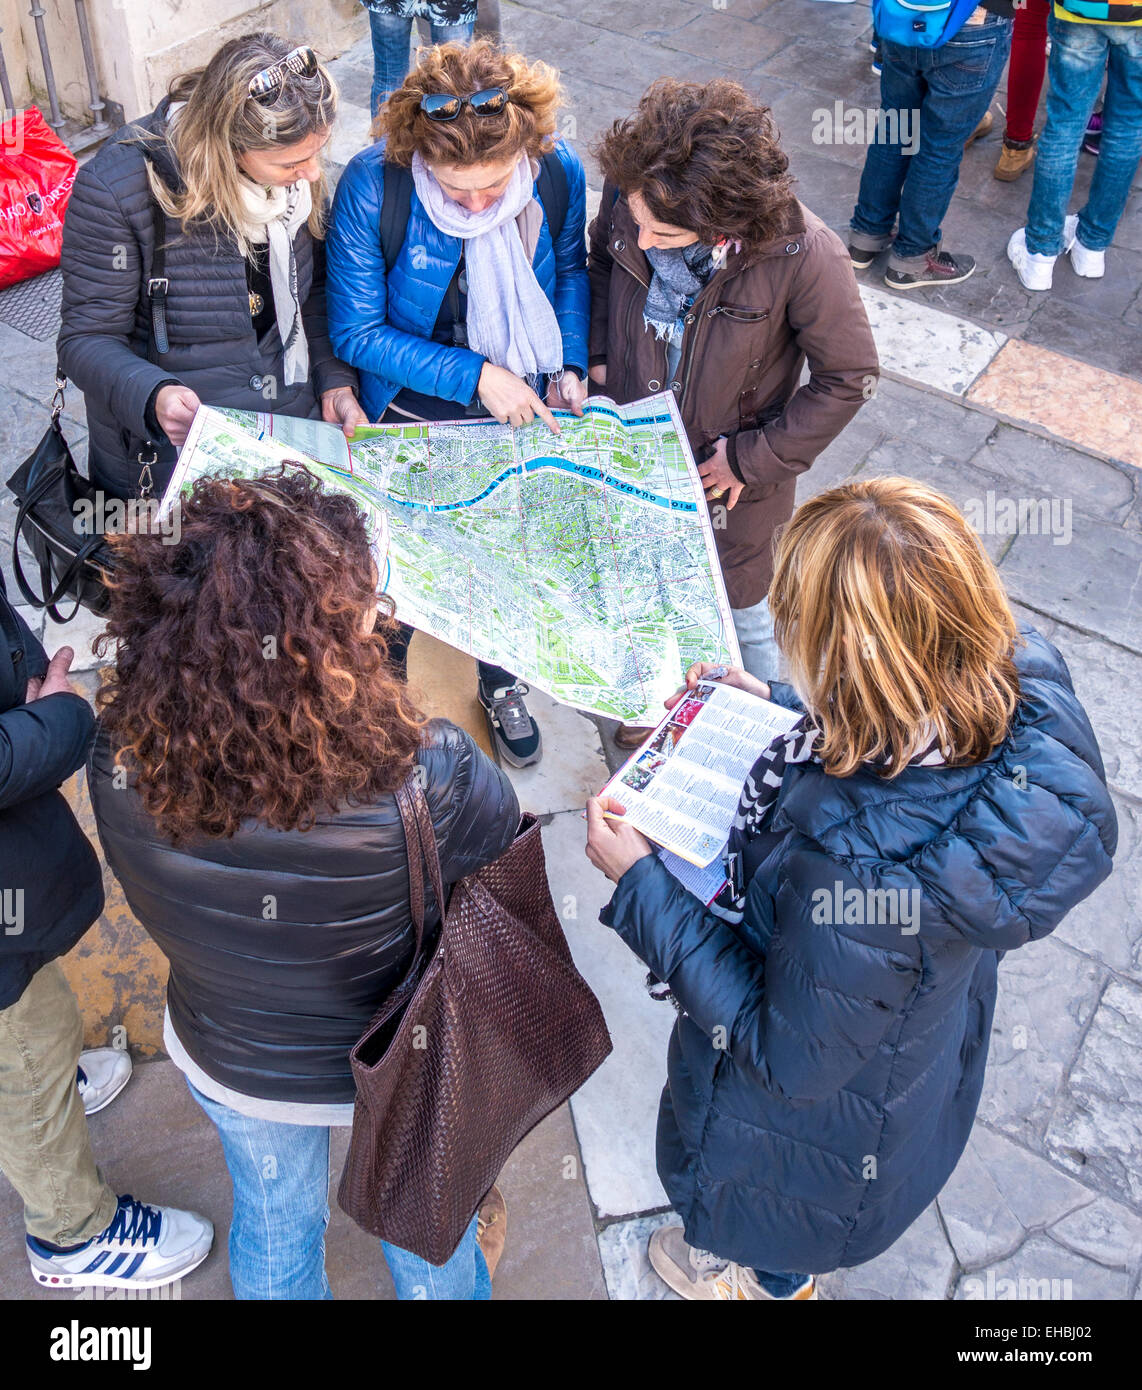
253,734
711,280
458,270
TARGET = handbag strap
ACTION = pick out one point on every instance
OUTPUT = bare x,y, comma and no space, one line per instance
415,818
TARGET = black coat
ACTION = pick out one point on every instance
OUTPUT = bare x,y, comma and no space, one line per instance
270,1005
825,1075
51,881
108,249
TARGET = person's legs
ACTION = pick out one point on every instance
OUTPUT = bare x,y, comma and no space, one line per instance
280,1176
45,1149
514,731
754,627
1121,144
780,1285
961,80
463,1277
886,164
391,37
1028,68
1077,61
453,33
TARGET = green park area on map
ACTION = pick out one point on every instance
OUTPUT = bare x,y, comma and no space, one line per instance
583,562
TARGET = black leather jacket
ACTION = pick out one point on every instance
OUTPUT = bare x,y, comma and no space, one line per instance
282,945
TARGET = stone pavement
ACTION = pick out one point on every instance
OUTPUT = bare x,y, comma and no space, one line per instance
1050,1187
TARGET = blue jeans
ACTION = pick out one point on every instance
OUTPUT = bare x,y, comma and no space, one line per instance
280,1176
944,92
779,1285
391,38
1080,54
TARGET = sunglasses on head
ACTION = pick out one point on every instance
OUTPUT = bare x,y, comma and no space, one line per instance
302,62
443,106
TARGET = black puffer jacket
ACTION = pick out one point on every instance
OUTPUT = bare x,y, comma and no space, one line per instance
49,876
283,945
108,250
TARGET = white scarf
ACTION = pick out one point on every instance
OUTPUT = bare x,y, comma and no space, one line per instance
510,319
274,215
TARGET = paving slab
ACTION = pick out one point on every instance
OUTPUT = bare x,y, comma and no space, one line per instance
572,768
1107,926
1047,996
1096,1128
942,351
622,1248
1104,1231
616,1112
998,1193
1042,1270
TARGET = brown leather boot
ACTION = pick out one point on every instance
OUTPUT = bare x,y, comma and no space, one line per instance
632,736
492,1228
1012,162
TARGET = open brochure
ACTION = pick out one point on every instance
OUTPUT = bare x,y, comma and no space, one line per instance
681,789
583,562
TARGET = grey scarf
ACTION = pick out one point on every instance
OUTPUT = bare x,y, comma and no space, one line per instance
679,274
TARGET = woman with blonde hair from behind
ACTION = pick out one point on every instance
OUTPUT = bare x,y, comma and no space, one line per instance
940,802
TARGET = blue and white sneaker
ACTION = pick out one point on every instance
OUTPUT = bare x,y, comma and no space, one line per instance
143,1248
101,1075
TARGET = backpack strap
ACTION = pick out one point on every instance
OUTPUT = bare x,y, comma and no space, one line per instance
554,194
395,206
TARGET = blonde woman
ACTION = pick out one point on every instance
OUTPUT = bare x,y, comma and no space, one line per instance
193,266
941,801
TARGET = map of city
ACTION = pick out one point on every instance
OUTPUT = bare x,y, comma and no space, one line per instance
584,562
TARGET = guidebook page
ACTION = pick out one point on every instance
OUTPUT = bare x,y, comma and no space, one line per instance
681,788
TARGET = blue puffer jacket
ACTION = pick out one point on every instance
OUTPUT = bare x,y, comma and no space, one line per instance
382,324
852,1055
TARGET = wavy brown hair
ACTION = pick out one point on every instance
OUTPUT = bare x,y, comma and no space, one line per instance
527,123
895,625
245,684
705,157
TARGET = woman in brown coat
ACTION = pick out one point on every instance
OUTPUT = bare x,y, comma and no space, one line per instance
710,279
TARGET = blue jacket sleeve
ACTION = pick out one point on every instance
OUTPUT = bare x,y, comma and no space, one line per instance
572,289
41,745
806,1016
357,295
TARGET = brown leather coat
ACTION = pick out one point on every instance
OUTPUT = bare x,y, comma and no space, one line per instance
750,332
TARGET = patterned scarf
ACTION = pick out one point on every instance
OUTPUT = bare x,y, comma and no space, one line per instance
679,275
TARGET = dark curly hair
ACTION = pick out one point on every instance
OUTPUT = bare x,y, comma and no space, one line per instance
527,123
702,156
245,684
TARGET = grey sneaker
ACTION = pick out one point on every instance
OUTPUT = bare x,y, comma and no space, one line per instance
515,733
696,1274
941,268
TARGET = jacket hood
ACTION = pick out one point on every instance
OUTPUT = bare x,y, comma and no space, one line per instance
1001,851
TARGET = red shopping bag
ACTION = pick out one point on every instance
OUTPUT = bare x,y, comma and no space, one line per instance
37,171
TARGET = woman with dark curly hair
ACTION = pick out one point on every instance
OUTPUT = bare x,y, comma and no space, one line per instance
711,280
253,733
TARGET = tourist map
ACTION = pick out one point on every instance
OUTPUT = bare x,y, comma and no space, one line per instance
583,562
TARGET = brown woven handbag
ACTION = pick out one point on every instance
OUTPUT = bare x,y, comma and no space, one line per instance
457,1067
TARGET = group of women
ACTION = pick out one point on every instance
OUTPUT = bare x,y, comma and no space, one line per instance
823,1075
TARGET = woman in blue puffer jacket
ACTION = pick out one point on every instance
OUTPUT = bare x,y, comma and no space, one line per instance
941,801
457,269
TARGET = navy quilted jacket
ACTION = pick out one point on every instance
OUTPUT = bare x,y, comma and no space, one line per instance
382,324
852,1054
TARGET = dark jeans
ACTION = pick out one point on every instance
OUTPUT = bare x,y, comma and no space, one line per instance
494,677
779,1285
945,92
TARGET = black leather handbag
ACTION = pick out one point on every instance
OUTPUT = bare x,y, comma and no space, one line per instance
57,518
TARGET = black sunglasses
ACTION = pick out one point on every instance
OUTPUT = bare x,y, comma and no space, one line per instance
302,62
443,106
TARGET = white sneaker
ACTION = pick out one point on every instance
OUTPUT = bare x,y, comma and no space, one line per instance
143,1248
101,1075
1090,264
1034,271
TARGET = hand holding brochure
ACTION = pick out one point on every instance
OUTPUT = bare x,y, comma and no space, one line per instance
681,788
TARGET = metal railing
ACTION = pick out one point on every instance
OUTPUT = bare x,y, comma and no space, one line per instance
55,118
